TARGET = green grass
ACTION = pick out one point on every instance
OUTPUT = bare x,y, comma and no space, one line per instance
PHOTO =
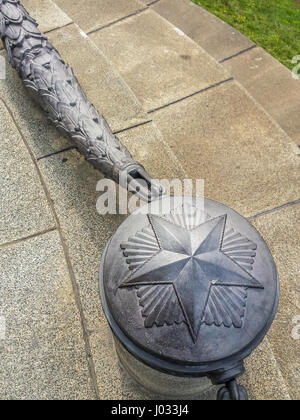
272,24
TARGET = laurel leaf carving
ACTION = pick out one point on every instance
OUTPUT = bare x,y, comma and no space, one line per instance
54,86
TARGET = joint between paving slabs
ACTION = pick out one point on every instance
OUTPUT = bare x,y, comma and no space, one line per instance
215,85
275,209
27,238
238,54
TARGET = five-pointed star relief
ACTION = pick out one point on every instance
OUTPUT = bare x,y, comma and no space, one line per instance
192,262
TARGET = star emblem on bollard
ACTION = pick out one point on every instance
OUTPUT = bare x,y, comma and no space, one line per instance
190,263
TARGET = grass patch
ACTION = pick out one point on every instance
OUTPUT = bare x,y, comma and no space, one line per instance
272,24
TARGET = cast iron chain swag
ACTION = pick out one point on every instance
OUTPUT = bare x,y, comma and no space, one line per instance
55,88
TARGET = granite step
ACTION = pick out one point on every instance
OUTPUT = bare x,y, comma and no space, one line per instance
270,83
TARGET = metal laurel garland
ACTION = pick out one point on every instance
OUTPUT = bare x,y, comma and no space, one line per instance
54,86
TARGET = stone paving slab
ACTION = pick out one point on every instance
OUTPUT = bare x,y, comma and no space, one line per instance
272,85
263,379
24,209
157,61
218,38
46,13
221,136
72,185
98,13
101,83
281,231
148,147
43,354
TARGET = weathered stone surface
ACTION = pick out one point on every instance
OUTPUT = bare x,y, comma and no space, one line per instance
272,85
263,379
72,184
157,60
43,354
24,210
98,13
263,76
218,38
100,82
221,136
148,147
281,231
46,13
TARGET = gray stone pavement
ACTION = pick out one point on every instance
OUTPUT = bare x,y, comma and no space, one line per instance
177,110
281,231
24,210
97,14
272,85
216,37
43,355
159,63
221,136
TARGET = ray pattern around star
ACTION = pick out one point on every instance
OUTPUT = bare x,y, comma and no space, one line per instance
190,265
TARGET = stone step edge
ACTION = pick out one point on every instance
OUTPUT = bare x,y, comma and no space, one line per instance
169,151
154,8
166,146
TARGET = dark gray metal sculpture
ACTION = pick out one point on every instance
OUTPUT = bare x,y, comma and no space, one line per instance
190,295
192,292
54,86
